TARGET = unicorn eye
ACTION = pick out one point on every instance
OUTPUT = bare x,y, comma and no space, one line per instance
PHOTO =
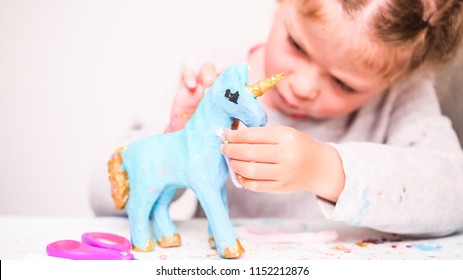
232,97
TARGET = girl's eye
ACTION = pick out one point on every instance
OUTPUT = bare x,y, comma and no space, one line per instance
295,45
343,86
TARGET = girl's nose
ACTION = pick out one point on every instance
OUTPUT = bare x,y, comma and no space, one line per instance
305,83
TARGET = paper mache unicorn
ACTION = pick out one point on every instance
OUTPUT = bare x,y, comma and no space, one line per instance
155,166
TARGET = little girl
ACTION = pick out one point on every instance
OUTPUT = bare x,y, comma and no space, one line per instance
355,129
355,121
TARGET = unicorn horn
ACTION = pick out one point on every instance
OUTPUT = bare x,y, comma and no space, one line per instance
262,86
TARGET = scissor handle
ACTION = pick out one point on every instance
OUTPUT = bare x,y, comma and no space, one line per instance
75,250
107,241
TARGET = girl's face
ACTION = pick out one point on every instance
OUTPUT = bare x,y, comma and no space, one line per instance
323,76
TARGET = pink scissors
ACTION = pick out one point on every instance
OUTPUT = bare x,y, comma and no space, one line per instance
94,246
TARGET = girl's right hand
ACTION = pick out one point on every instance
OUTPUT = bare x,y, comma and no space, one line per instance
190,91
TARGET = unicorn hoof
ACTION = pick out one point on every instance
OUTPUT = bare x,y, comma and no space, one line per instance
148,248
235,251
212,242
172,241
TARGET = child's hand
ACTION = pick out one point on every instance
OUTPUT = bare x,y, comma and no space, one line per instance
283,160
189,93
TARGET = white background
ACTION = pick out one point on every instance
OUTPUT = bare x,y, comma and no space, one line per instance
75,75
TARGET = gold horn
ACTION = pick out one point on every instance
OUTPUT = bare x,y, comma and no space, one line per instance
262,86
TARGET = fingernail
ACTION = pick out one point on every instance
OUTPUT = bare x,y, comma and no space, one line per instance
239,178
190,83
224,139
221,133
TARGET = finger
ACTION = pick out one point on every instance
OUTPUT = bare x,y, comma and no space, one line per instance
262,153
260,185
255,170
254,135
207,75
189,79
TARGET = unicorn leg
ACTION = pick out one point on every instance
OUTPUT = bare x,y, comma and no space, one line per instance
164,229
138,209
211,238
225,239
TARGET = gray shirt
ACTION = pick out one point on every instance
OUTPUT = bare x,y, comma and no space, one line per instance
401,157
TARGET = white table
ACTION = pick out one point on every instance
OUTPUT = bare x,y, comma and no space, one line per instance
23,237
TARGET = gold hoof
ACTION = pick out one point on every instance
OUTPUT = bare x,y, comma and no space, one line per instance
212,242
148,248
172,241
235,251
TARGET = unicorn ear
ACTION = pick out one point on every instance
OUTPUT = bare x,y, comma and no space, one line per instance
243,71
262,86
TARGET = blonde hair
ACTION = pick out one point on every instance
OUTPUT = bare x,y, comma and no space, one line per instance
416,33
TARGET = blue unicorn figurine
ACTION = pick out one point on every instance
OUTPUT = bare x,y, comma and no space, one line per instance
155,166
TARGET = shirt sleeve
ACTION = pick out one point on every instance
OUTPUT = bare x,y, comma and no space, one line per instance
413,182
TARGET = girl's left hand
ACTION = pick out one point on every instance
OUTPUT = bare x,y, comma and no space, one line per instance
283,160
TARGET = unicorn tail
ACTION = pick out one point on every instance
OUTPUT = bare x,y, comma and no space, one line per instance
120,189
